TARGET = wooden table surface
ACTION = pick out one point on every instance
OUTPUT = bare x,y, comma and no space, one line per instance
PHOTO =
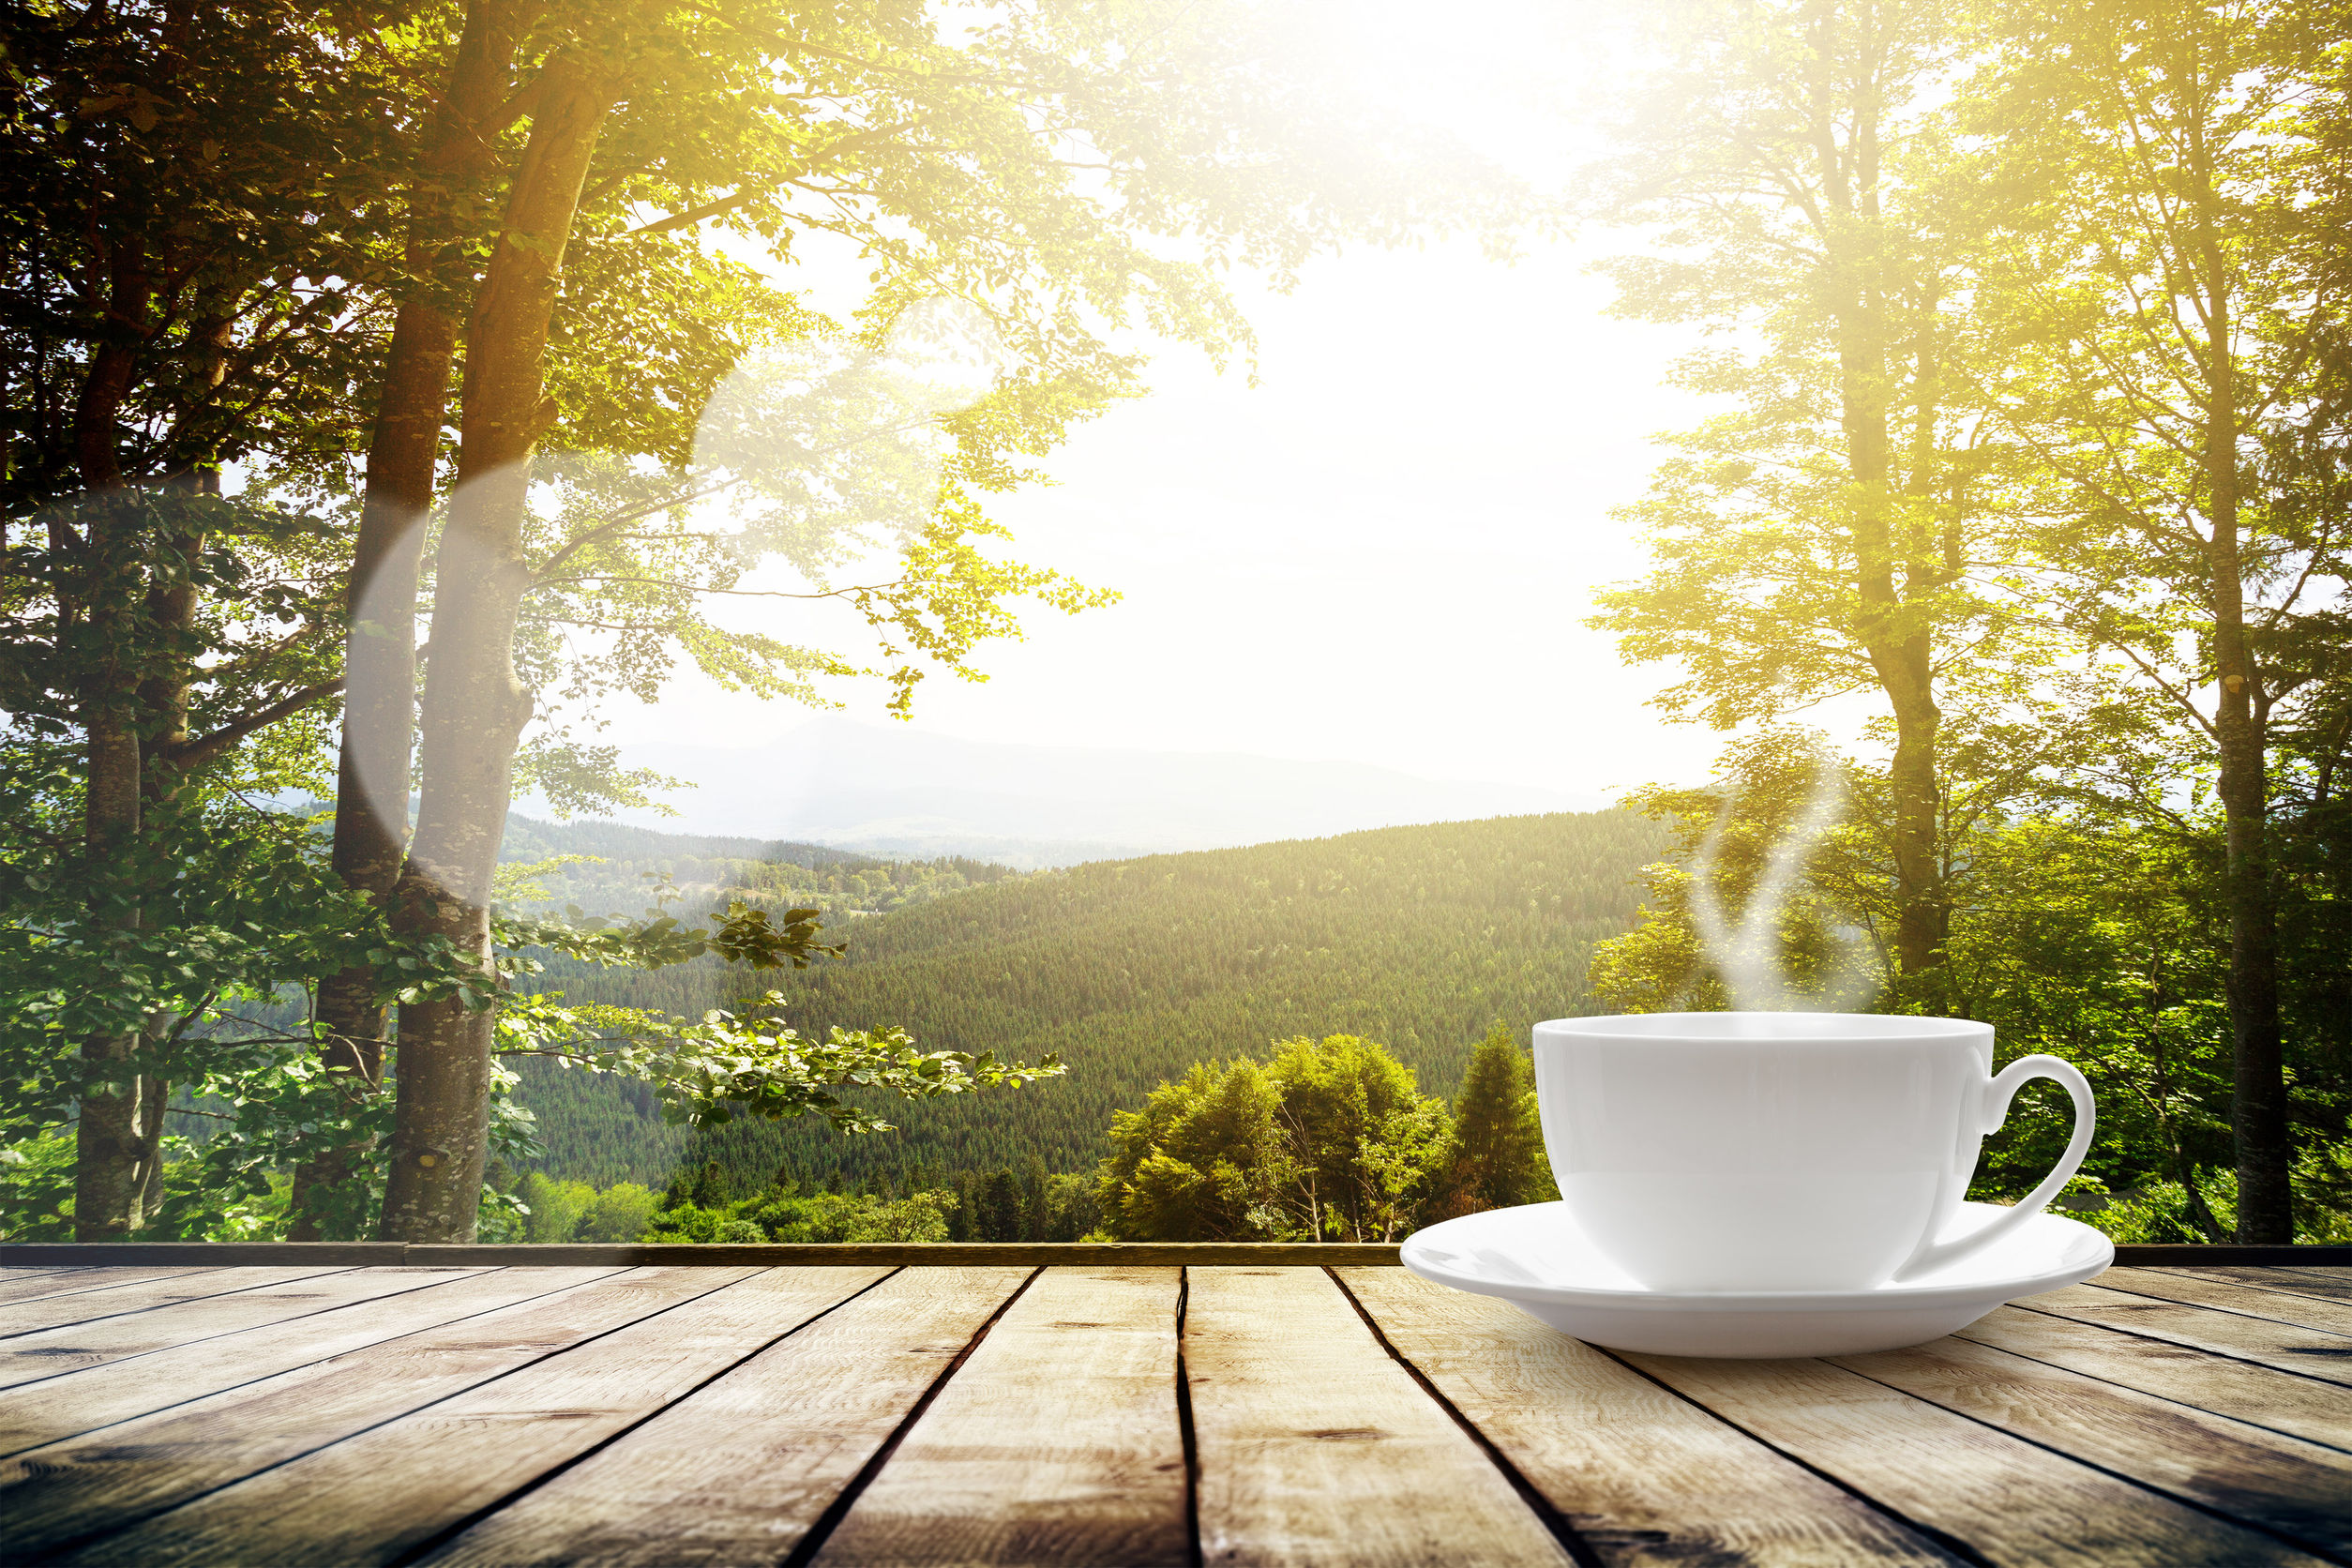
1135,1416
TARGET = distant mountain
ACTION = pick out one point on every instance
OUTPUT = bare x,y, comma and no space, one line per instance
1418,936
894,791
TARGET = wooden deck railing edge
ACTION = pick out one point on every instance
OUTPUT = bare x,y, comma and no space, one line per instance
1336,1253
716,1254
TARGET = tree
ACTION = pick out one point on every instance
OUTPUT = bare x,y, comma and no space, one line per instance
1000,1216
1820,538
164,320
1771,900
2079,929
453,152
1363,1145
1201,1160
2175,294
1498,1161
1332,1140
926,154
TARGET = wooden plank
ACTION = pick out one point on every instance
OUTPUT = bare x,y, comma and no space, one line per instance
56,1352
1314,1446
714,1254
464,1453
2201,1254
2298,1489
2291,1282
2283,1401
928,1254
2311,1351
2227,1296
738,1473
57,1495
61,1407
2006,1499
20,1285
1647,1479
1057,1442
213,1254
51,1312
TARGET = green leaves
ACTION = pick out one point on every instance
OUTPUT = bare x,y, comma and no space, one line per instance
727,1064
1332,1141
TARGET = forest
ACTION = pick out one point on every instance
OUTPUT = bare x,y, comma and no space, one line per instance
393,389
1132,970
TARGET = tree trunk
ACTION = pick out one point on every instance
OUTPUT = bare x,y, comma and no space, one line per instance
154,1098
109,1155
1902,658
2258,1098
2258,1101
1853,239
379,712
380,657
475,707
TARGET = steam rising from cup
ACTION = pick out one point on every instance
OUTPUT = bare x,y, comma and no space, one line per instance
1747,955
817,452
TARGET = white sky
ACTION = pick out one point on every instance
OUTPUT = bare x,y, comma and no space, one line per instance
1385,551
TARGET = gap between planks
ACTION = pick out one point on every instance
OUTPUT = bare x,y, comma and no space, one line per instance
1993,1495
132,1297
2297,1491
458,1458
2283,1401
20,1285
2309,1353
74,1404
94,1492
48,1353
1640,1473
746,1468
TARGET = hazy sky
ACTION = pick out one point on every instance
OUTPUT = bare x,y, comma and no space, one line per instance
1384,552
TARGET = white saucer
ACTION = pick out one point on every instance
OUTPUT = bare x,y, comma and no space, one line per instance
1535,1257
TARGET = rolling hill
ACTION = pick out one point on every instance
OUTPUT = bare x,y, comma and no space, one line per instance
892,790
1418,936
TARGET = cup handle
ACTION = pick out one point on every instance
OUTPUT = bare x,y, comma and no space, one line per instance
2003,1089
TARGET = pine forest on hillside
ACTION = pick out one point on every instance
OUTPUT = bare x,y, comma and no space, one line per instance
1420,938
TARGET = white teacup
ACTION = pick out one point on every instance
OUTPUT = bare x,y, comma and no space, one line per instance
1708,1151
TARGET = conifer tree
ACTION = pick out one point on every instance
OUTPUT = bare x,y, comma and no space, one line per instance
1000,1218
1498,1141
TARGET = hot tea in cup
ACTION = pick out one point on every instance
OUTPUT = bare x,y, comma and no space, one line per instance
1735,1152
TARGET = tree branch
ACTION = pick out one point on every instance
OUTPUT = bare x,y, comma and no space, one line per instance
190,755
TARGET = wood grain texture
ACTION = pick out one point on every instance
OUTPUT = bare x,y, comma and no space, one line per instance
1057,1442
22,1285
1648,1480
2224,1295
737,1473
464,1453
62,1407
146,1295
1314,1447
2291,1282
2299,1489
58,1494
2007,1499
2282,1401
97,1343
2312,1352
